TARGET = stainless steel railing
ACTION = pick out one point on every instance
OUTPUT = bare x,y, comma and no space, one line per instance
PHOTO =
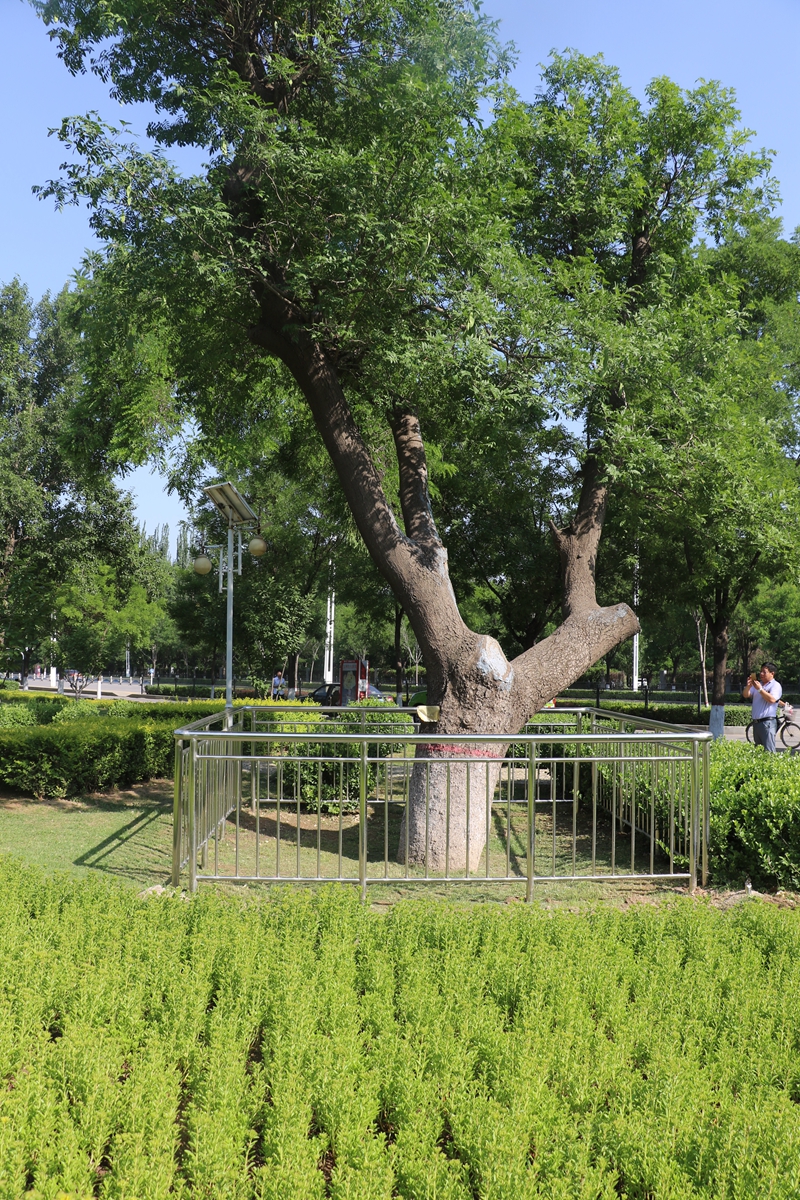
356,796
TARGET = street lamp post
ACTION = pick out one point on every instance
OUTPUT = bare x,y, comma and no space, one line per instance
238,514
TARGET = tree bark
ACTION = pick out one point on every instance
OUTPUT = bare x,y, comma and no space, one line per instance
720,646
469,678
701,650
294,672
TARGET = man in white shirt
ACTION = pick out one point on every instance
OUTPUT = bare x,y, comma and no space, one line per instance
765,692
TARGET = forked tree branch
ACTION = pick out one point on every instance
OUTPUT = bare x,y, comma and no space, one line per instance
414,499
414,567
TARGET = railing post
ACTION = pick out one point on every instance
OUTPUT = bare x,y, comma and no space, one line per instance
362,820
529,860
694,816
177,814
706,808
192,815
576,789
253,761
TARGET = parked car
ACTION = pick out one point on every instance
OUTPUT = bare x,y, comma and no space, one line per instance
328,694
420,697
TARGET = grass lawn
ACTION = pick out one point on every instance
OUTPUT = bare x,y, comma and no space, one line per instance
126,836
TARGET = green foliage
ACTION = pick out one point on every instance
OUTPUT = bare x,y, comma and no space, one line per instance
182,690
678,714
68,748
17,714
331,781
60,521
81,710
273,619
84,756
44,708
306,1047
755,816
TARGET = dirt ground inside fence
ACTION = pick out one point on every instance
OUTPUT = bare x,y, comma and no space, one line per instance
127,836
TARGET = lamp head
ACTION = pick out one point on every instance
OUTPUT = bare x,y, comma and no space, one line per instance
257,546
202,564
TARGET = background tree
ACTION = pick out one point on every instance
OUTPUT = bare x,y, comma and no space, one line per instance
720,503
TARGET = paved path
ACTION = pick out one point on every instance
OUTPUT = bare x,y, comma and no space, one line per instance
125,691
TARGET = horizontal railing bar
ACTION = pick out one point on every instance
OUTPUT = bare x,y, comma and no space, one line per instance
416,739
411,879
292,715
519,763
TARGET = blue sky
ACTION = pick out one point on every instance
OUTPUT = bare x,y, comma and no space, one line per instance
753,49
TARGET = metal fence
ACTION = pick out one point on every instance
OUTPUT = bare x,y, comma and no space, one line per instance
280,795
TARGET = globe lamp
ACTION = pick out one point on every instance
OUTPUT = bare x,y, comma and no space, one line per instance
203,564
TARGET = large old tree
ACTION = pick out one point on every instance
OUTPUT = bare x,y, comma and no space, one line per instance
358,240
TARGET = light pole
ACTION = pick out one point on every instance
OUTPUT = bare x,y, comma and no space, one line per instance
238,513
330,620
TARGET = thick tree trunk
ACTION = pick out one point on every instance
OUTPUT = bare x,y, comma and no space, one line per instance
716,722
720,663
468,676
449,806
294,672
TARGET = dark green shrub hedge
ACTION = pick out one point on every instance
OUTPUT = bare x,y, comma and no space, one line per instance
242,691
755,816
93,745
185,691
677,714
330,786
84,756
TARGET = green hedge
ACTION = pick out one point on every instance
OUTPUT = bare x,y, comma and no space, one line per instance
333,787
755,816
12,715
200,691
84,756
301,1046
93,745
244,691
677,714
754,811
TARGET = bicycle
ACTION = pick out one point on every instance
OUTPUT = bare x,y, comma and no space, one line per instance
786,730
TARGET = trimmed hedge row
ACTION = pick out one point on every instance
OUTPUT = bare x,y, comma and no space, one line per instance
49,708
755,816
94,745
677,714
59,760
